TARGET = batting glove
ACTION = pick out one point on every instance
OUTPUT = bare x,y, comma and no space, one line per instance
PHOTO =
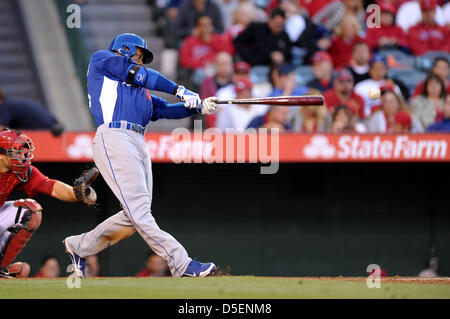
191,100
209,105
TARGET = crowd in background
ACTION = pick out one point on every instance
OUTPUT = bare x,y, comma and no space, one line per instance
50,267
342,47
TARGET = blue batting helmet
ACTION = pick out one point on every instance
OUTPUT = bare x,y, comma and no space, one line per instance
126,43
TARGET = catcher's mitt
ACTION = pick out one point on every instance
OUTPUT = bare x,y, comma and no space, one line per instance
82,186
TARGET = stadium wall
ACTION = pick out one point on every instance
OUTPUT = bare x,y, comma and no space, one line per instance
309,219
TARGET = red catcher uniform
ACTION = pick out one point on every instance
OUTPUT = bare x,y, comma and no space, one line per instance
19,219
423,38
37,183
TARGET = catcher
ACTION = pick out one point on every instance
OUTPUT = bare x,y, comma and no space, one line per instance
19,219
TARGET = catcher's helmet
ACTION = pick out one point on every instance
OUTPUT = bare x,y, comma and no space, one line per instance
126,43
19,148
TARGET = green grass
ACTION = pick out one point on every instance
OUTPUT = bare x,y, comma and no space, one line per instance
216,288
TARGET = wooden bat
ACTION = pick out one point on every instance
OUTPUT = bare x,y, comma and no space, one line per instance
279,100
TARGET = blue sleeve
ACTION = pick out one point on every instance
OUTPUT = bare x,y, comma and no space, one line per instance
153,80
112,65
163,110
117,67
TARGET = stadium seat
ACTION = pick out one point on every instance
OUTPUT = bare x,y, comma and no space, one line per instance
425,61
410,77
261,3
397,59
298,54
259,74
304,74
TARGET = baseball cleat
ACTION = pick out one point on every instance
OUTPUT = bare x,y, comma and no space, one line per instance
198,269
78,263
4,273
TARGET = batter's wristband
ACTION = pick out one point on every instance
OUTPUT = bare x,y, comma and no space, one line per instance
132,73
175,89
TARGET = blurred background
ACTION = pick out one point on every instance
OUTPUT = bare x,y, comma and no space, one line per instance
315,216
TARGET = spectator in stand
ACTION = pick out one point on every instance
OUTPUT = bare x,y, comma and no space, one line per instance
155,266
343,41
237,116
444,124
188,13
313,38
402,122
222,78
24,114
199,51
355,7
389,36
223,75
227,7
241,71
342,93
286,83
324,12
92,266
378,78
409,14
441,67
231,11
382,120
49,268
242,18
429,106
342,120
265,43
295,22
276,117
427,35
446,13
311,118
359,64
322,71
173,8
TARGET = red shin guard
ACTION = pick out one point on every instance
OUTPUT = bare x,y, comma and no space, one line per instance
22,232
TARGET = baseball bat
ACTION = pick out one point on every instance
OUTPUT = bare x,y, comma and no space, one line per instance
279,100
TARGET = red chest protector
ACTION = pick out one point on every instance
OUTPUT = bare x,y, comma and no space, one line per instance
8,183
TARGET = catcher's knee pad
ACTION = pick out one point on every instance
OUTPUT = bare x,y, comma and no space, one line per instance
22,231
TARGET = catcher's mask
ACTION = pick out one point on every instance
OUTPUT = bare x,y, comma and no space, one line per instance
19,148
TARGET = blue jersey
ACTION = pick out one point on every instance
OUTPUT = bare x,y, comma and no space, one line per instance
111,98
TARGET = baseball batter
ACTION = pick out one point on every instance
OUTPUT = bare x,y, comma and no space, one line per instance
21,218
122,106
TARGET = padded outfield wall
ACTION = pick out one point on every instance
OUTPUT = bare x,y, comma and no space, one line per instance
309,219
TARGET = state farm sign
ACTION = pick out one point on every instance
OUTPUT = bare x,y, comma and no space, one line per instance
258,148
165,147
376,147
